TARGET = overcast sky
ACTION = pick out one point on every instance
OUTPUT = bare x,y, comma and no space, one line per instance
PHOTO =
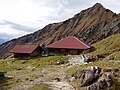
20,17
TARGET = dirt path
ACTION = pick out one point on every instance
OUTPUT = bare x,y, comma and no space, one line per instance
46,75
62,85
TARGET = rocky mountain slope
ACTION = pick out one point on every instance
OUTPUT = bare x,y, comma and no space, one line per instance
91,25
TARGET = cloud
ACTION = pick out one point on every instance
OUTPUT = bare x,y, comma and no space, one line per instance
6,36
10,30
19,26
75,4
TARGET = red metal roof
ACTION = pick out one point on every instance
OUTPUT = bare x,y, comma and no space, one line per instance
24,49
69,43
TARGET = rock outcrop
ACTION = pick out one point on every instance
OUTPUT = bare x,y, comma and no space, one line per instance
93,79
90,76
104,81
91,25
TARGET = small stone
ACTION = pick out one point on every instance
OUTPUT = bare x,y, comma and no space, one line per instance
72,79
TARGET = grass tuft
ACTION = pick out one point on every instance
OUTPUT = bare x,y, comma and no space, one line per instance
41,86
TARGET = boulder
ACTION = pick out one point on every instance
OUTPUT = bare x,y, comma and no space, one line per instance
104,81
93,80
90,75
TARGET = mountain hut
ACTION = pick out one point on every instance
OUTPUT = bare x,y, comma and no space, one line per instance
26,51
68,45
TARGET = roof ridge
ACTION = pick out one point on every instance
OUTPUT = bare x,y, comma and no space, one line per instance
81,42
67,43
57,41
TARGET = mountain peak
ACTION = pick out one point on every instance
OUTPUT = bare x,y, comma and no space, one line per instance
98,5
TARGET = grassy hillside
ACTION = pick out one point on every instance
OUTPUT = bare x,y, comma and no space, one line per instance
13,64
108,47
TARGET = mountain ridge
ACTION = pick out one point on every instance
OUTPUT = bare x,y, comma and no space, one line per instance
92,25
2,41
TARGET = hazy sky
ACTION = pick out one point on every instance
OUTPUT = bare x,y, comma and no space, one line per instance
20,17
